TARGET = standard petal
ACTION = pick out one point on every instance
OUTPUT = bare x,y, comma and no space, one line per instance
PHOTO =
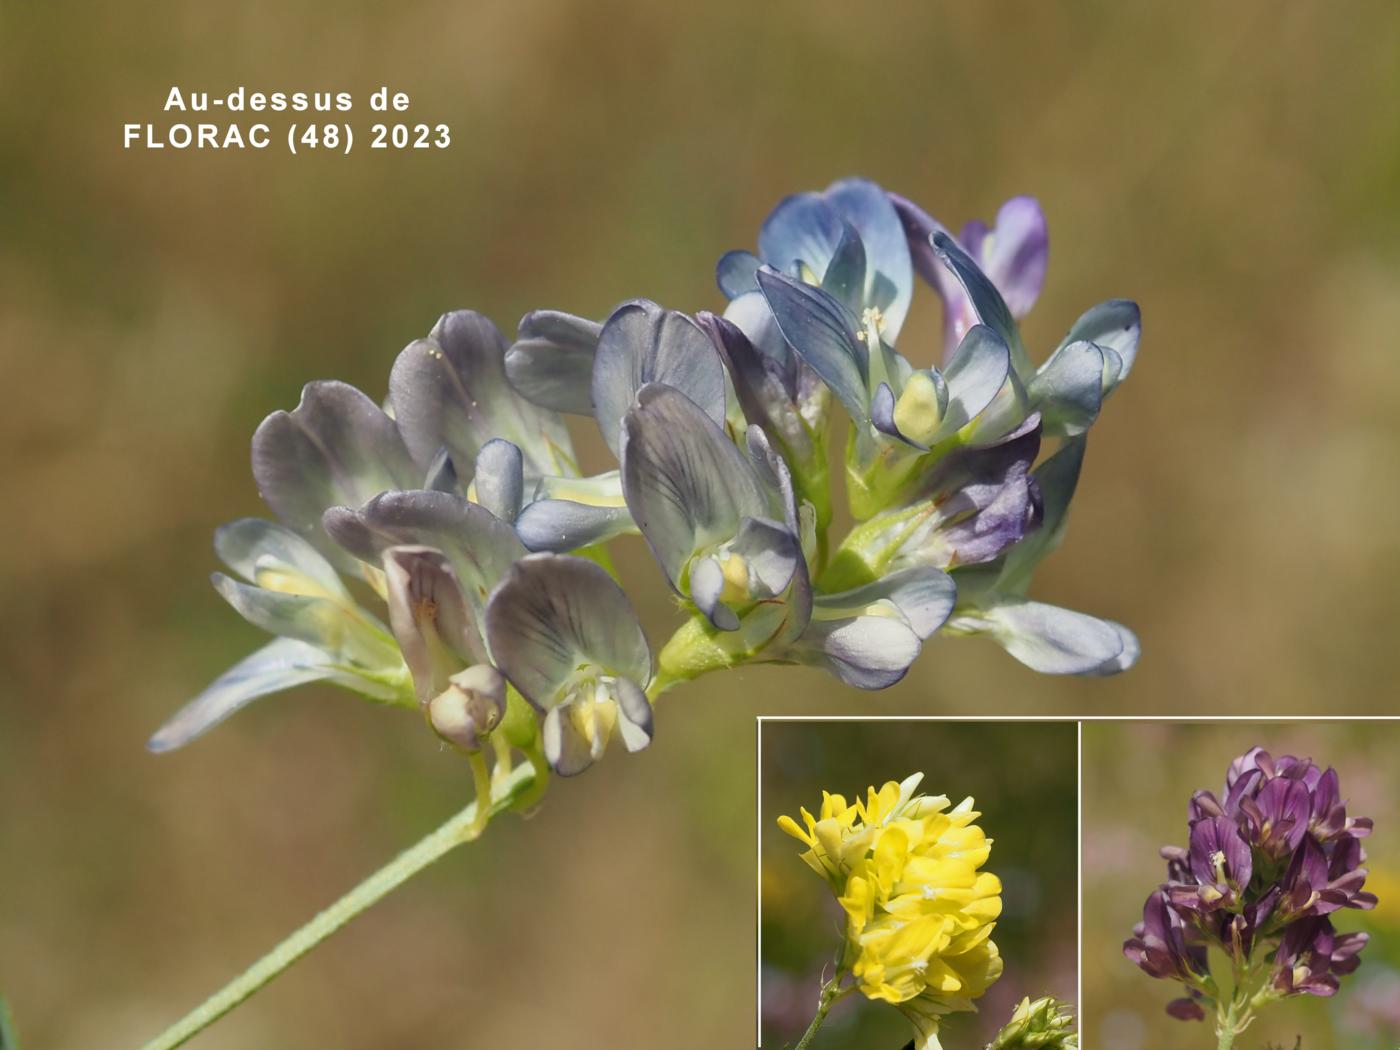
734,273
275,557
551,360
1016,252
1068,389
803,228
1053,640
686,483
554,614
336,447
823,333
641,343
889,275
450,390
276,666
499,483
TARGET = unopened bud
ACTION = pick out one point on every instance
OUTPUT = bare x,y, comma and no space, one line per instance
472,705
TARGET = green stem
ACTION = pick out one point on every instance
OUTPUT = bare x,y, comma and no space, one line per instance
832,993
464,827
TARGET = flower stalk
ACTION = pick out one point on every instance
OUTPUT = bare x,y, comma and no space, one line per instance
831,994
465,826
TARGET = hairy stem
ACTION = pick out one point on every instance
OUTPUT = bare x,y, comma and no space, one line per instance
464,827
832,993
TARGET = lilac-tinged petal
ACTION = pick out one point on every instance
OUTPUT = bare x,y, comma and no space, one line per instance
551,361
1056,479
991,309
889,277
641,343
555,613
336,447
803,228
1016,257
1186,1010
686,483
823,333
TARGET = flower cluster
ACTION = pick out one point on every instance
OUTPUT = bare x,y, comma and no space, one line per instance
919,912
444,551
1265,868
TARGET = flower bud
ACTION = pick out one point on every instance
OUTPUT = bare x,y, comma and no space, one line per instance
472,705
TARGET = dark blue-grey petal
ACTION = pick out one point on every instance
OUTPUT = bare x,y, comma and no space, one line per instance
686,483
845,274
882,411
765,386
252,548
554,614
642,343
823,333
441,475
1056,480
1115,325
562,525
451,390
1068,389
500,480
276,666
336,447
551,360
991,308
735,273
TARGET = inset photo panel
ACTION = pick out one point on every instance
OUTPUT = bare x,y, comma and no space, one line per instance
1241,885
917,884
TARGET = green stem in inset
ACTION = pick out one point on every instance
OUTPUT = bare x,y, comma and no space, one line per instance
462,828
832,993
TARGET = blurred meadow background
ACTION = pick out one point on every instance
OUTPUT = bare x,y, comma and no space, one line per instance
1022,776
1235,168
1138,779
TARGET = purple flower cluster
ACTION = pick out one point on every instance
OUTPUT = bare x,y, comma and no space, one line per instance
1263,871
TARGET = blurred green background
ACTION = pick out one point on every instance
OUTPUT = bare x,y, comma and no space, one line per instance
1138,779
1023,778
1236,168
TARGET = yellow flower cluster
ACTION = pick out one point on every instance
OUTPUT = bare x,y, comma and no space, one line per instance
919,912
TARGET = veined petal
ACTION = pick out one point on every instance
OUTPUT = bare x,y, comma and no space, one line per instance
803,228
868,652
1068,389
641,343
336,447
765,385
347,632
991,308
437,631
278,665
823,333
562,525
451,390
923,595
975,374
1015,252
554,614
479,545
889,275
686,483
275,557
551,360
